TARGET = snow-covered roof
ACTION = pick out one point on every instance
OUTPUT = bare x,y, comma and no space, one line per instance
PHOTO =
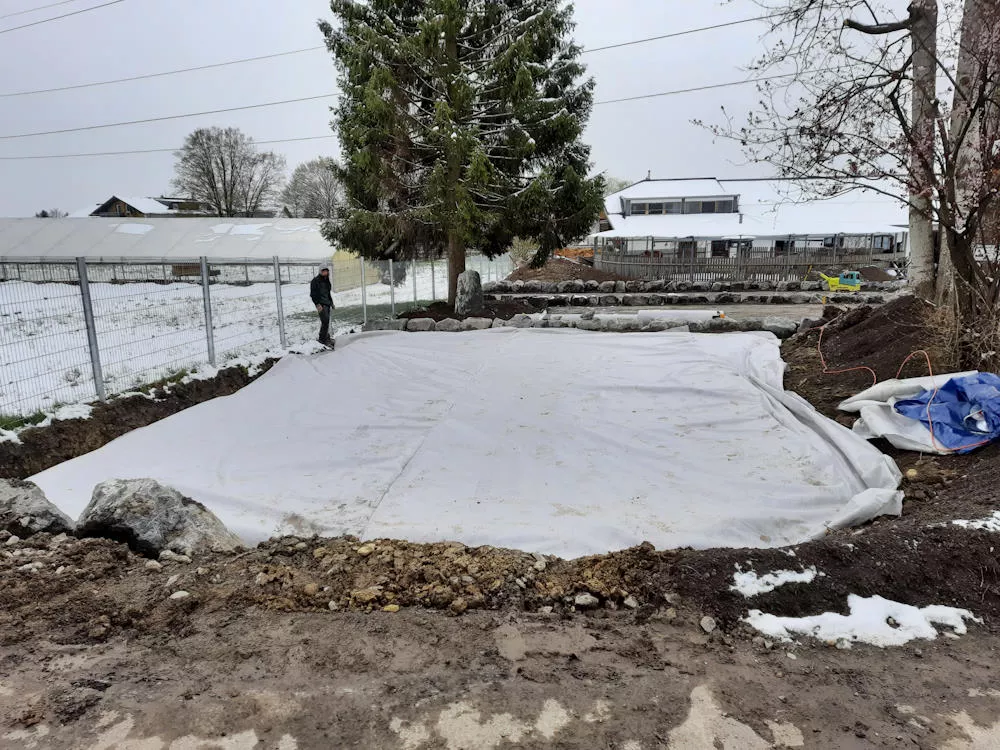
767,209
676,225
83,213
145,205
169,238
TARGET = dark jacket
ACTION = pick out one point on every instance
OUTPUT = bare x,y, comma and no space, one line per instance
319,290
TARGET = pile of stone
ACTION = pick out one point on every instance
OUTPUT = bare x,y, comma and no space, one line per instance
780,327
152,519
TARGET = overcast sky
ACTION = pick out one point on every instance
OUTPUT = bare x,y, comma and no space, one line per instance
137,37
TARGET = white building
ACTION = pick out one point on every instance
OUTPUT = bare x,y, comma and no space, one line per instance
712,218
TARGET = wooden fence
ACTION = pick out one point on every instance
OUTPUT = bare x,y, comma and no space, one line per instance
749,265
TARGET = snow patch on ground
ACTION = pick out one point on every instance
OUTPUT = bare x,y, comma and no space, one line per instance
251,363
875,621
991,523
750,584
66,411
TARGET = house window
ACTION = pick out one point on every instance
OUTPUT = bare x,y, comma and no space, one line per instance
639,208
784,247
725,207
673,207
692,207
655,209
720,249
708,207
883,242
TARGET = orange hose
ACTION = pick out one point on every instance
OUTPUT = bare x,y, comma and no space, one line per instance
930,370
827,371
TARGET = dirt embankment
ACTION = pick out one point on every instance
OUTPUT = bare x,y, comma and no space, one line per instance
560,269
44,447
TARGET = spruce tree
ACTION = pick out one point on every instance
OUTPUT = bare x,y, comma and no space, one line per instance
460,124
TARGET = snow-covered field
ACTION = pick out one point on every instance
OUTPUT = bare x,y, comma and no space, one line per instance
149,331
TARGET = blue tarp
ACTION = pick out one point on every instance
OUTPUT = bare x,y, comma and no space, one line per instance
965,412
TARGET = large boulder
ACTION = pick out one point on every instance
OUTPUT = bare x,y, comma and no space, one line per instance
152,518
520,321
477,324
449,325
24,510
421,324
469,296
783,328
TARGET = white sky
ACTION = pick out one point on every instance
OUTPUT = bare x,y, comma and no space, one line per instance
137,37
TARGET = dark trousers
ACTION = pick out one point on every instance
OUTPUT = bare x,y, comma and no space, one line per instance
324,324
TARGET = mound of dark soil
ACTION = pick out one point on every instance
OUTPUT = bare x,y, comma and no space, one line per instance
502,310
44,447
877,338
560,269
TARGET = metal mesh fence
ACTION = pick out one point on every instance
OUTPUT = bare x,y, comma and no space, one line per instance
139,321
44,354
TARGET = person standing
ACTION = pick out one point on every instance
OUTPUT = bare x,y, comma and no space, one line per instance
320,290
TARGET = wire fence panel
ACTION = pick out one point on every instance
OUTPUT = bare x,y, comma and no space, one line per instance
245,310
139,321
44,356
147,331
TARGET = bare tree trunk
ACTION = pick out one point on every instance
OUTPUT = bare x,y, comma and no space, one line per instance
944,284
964,142
456,265
924,116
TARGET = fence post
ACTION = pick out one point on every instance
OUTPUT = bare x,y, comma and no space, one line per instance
364,293
207,299
88,317
434,295
281,303
392,287
413,270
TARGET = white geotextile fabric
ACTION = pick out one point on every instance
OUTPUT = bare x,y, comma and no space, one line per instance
877,417
555,441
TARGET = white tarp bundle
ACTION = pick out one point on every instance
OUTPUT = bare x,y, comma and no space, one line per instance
553,441
877,416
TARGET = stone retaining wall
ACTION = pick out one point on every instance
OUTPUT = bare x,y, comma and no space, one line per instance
657,299
621,287
781,327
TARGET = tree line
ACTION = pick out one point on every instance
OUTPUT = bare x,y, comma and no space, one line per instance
223,168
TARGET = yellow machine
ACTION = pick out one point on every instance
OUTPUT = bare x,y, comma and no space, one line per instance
848,281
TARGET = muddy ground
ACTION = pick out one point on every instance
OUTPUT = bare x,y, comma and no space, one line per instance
304,643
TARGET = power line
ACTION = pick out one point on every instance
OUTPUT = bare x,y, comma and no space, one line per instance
164,73
166,117
322,47
678,33
57,18
153,150
698,88
327,96
35,10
